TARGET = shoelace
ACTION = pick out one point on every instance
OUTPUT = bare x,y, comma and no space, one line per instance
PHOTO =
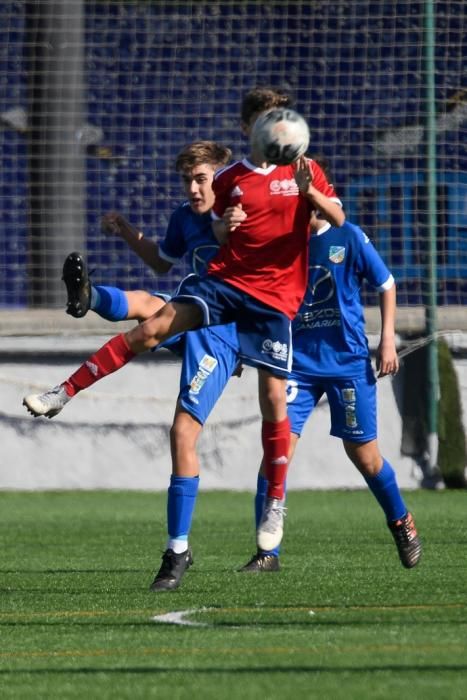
405,532
274,514
168,561
51,396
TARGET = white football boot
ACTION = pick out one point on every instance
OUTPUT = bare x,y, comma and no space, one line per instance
47,404
271,526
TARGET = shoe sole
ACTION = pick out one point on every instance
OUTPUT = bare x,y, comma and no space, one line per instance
165,586
75,277
258,571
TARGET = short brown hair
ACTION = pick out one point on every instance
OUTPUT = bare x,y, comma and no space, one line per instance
200,152
261,99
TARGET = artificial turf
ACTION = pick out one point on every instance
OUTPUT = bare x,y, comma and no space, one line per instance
342,619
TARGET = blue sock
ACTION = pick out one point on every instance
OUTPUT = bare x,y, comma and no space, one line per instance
109,302
386,491
260,497
181,502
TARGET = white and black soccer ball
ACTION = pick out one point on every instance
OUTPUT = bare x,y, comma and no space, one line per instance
280,136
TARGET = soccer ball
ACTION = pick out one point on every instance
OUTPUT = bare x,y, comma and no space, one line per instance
280,136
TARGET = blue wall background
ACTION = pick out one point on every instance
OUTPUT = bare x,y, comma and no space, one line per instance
160,74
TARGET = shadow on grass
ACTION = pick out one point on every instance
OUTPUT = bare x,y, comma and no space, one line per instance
264,670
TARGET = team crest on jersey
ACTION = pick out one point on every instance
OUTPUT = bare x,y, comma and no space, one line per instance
336,253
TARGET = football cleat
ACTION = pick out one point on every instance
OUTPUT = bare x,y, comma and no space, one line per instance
172,569
407,540
271,526
78,286
261,561
48,404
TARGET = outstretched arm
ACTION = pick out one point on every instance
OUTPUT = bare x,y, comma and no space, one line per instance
115,224
330,210
387,361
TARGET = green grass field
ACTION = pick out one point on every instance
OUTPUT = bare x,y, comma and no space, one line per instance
343,619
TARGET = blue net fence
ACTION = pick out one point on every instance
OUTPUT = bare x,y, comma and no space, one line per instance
157,75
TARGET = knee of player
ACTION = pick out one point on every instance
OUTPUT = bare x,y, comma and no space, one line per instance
142,337
184,431
274,397
365,456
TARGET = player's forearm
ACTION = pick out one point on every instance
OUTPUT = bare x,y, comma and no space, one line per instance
387,305
114,224
145,249
148,251
330,210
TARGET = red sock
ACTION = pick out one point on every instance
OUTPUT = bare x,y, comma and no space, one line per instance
110,357
276,443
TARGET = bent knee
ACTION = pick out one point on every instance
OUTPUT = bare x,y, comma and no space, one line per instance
185,430
365,456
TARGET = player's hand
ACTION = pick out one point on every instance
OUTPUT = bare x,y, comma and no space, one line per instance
303,175
387,361
233,217
114,224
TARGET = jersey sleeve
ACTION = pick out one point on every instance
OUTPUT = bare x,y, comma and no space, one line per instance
371,265
321,183
173,247
221,192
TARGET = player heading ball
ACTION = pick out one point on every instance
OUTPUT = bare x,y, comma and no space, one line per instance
280,136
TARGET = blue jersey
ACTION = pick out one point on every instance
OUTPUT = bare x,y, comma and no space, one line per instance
189,234
329,331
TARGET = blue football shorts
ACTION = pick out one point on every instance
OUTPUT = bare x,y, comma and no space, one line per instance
352,403
209,357
264,333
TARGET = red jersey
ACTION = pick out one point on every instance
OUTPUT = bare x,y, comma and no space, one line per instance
267,255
